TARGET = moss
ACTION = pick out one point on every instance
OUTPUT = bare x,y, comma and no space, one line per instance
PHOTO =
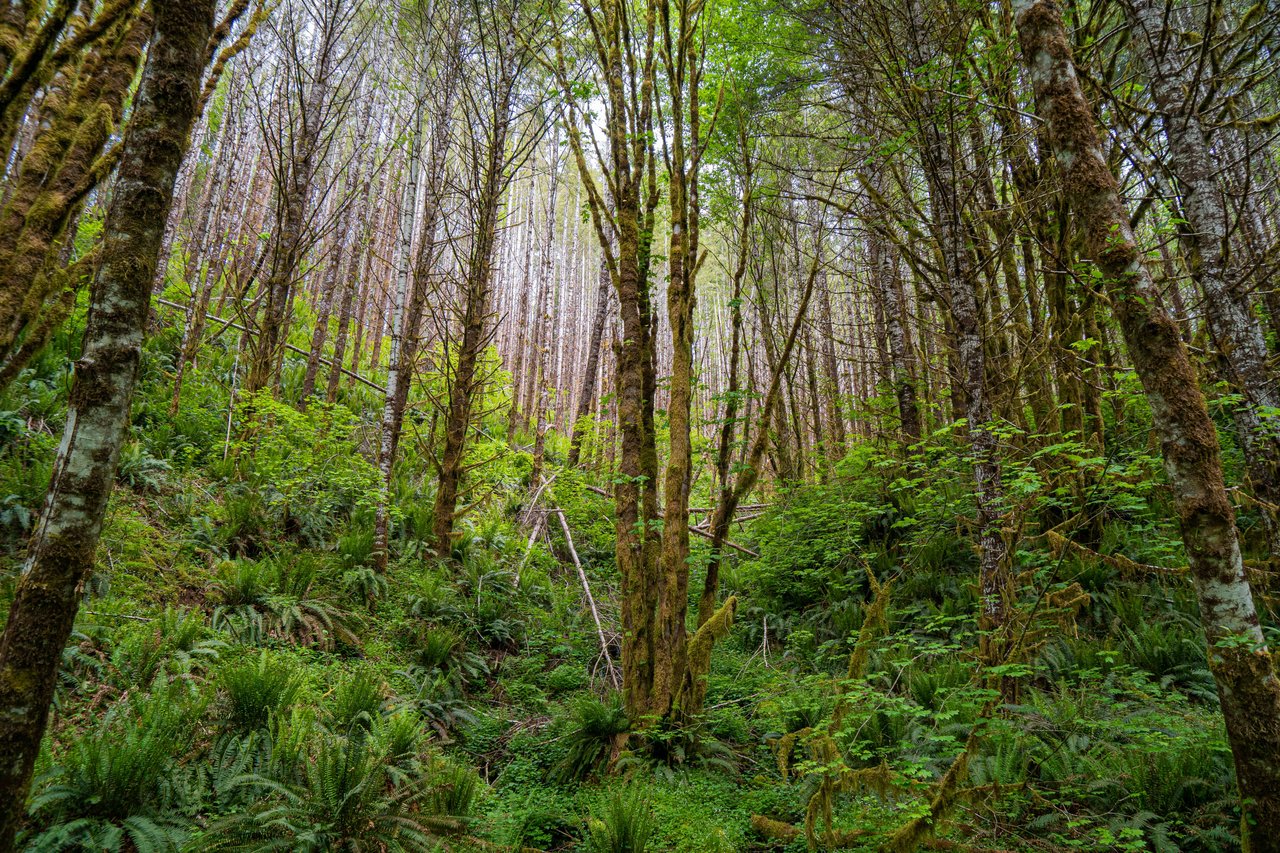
909,838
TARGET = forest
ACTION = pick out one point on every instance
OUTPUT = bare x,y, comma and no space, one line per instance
630,426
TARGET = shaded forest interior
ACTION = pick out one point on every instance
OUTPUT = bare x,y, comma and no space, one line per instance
665,425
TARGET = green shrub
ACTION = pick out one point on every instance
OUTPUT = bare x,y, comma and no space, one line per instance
566,678
399,734
139,470
344,799
356,702
453,789
110,790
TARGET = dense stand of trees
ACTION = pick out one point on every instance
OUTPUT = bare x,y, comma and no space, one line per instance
684,258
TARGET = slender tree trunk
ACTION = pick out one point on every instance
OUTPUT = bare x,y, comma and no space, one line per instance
540,399
477,288
396,364
515,417
302,160
886,281
404,353
66,540
332,282
941,167
586,396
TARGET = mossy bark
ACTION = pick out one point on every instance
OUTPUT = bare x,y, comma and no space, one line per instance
83,104
942,169
62,553
1248,689
683,71
1236,332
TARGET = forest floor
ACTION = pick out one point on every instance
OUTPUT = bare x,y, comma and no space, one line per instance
240,676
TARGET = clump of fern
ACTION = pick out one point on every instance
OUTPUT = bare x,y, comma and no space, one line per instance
622,823
112,789
356,702
278,599
591,730
258,689
345,797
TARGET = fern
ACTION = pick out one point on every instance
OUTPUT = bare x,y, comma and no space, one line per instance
356,702
112,791
343,800
591,730
257,690
623,823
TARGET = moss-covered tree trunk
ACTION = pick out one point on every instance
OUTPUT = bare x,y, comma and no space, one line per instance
75,121
1235,329
1242,665
62,553
683,67
943,176
623,217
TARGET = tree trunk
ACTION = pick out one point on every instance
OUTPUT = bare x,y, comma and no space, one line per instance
492,176
941,167
885,283
65,163
1248,689
294,232
63,551
586,396
1235,329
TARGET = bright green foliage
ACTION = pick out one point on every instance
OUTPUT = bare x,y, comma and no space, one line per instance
345,799
623,823
304,466
240,676
259,689
112,791
591,731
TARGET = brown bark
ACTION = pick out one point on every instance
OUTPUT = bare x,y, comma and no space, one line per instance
296,174
939,159
492,176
